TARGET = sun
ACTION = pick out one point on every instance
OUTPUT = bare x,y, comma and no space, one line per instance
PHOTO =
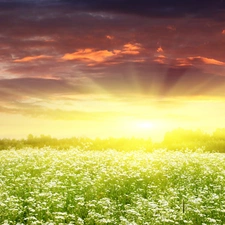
141,128
145,125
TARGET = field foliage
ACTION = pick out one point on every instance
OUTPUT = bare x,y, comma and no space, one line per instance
178,139
47,186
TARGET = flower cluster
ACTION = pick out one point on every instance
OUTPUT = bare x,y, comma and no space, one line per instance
50,187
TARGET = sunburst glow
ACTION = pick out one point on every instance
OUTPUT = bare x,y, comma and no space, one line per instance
79,69
145,125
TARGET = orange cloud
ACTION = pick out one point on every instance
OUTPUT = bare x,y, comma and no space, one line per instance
223,32
131,49
207,60
189,61
160,59
32,58
183,62
160,49
90,54
212,61
109,37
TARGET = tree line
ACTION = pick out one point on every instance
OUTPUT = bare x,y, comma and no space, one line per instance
175,140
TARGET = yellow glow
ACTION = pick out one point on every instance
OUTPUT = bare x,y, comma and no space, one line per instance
144,125
106,116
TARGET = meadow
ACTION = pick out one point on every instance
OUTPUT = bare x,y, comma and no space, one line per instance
46,186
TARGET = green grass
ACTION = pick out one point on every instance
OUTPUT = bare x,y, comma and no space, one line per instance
108,187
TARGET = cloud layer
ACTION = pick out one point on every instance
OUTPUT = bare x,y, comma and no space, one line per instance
156,49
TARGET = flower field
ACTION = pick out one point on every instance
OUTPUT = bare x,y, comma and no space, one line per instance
47,186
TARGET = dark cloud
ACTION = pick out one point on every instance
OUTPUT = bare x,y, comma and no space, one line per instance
25,88
45,31
151,8
160,8
159,81
172,78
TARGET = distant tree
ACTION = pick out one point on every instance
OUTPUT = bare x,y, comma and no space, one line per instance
219,133
182,139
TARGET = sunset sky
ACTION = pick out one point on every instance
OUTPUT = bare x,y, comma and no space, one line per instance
100,68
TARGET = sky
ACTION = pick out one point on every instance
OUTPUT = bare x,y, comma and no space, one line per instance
111,68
